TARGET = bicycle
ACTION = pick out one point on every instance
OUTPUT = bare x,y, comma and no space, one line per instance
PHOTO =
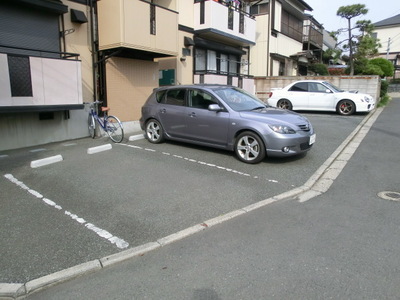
110,124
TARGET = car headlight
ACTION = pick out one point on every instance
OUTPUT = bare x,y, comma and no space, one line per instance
366,99
282,129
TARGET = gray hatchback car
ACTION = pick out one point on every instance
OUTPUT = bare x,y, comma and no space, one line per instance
225,117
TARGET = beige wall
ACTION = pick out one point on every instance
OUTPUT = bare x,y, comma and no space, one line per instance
259,52
126,23
80,42
129,83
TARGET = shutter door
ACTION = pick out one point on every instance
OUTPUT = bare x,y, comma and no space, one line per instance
22,27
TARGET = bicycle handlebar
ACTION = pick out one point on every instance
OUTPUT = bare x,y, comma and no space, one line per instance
95,102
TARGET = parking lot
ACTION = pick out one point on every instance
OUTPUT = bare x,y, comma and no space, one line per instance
88,206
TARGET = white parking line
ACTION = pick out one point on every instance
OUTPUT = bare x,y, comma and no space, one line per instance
120,243
201,163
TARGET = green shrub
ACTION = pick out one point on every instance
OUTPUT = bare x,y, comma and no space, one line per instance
371,69
320,69
385,65
384,88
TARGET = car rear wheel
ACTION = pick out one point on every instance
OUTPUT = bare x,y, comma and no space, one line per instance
285,104
249,148
346,107
154,132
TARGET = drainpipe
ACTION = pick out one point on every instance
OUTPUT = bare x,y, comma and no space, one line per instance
94,47
270,19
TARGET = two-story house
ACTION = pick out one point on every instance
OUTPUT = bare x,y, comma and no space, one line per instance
279,43
145,44
388,33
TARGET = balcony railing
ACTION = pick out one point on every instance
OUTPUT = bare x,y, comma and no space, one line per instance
224,21
137,25
35,80
313,36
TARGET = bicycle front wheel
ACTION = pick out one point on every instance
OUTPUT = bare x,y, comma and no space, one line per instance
114,129
92,126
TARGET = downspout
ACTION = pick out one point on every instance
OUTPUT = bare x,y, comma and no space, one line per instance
271,9
63,33
94,48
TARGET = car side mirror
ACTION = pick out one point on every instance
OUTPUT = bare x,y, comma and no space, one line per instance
328,91
214,107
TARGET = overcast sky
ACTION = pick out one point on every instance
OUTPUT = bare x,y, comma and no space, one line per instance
324,11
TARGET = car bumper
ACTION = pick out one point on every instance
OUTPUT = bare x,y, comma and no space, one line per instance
289,145
365,107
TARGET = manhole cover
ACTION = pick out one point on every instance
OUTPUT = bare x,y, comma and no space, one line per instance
393,196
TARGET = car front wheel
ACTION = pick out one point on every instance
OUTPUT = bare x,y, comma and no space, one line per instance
154,132
249,148
285,104
346,107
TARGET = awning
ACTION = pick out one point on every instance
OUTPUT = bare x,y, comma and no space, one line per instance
207,44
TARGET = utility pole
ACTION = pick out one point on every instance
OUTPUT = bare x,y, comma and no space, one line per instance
388,49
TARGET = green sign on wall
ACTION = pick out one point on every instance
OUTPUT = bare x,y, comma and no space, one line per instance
167,77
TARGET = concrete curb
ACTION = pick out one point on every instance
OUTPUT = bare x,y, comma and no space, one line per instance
316,185
136,137
99,149
46,161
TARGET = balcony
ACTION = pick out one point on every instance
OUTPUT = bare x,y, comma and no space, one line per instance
38,83
224,23
312,37
141,29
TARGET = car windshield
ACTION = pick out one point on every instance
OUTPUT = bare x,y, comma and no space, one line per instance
239,100
332,87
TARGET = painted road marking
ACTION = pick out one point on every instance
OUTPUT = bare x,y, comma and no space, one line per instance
120,243
191,160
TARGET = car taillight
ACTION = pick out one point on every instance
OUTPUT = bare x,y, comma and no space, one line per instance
269,94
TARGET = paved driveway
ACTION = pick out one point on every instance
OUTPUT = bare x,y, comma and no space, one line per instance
88,206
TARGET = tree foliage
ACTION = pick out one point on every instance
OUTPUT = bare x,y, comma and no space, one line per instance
361,44
385,65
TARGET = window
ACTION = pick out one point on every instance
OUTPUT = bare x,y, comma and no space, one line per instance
20,76
230,18
175,97
201,99
202,12
241,23
223,65
210,61
292,26
317,87
299,87
233,64
200,60
260,9
152,19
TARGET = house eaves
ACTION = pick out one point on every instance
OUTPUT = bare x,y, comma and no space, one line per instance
393,21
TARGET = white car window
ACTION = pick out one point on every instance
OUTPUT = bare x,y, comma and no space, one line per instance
299,87
316,87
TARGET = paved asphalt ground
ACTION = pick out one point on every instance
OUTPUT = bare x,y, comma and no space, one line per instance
337,239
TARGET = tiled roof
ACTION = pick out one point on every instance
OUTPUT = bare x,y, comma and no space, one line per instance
388,22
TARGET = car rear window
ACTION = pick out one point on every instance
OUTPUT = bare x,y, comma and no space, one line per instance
160,95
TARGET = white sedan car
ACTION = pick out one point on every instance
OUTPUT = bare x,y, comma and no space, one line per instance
320,95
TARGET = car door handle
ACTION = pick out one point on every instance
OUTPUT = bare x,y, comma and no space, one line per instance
192,115
163,111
